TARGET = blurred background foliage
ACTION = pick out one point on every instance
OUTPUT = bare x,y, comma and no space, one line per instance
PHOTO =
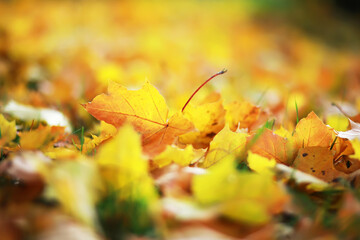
59,53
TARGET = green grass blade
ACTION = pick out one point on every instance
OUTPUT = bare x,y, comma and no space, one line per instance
297,112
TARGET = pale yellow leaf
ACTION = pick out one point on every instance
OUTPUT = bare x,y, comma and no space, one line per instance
261,164
7,130
183,157
226,142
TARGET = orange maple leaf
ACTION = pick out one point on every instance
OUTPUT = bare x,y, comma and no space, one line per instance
271,146
243,114
145,109
312,132
347,164
317,161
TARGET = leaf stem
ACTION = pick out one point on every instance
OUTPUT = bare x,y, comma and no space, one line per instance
217,74
340,109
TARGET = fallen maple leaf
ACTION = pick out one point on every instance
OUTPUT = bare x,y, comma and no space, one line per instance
145,109
271,146
348,163
342,147
241,114
183,157
42,136
45,136
107,131
246,197
7,130
123,167
75,185
260,164
312,132
208,118
225,143
317,161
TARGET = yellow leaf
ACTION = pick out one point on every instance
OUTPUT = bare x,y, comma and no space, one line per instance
356,146
257,197
282,132
246,211
225,143
183,157
106,131
44,135
261,164
7,130
218,184
208,118
233,191
61,153
123,167
338,122
75,184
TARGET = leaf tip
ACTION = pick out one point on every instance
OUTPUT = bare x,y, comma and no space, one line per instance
84,105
